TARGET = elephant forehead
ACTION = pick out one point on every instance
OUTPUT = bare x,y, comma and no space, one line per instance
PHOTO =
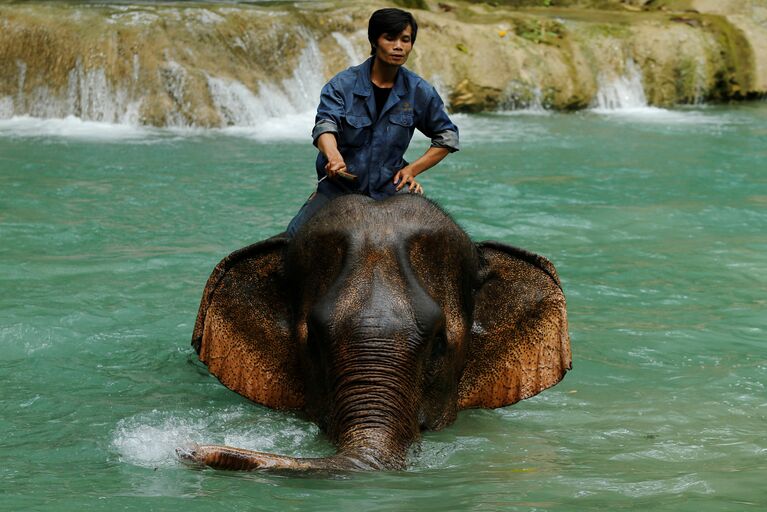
376,287
374,274
374,296
401,213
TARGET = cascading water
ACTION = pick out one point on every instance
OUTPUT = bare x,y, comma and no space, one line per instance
254,71
625,96
699,81
283,109
524,97
352,53
625,92
90,96
239,106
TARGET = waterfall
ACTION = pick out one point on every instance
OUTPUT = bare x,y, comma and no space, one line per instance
278,109
352,53
699,84
523,97
625,92
536,103
90,94
142,65
624,97
91,97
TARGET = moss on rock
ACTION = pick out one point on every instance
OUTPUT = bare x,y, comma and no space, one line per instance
156,62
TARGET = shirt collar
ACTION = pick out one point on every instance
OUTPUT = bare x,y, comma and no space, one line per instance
362,86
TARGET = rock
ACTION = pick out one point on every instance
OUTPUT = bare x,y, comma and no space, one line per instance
215,65
470,97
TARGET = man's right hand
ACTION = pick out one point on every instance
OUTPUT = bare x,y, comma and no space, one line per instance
337,167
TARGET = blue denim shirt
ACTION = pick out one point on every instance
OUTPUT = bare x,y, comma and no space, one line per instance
373,145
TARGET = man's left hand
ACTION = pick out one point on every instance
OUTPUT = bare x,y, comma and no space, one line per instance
406,176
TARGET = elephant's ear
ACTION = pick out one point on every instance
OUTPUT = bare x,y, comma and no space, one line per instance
519,343
243,332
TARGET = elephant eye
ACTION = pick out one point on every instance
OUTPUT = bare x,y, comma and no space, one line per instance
439,346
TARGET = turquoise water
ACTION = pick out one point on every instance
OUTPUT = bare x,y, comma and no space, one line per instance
656,222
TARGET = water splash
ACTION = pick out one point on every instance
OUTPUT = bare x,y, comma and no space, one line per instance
151,445
151,439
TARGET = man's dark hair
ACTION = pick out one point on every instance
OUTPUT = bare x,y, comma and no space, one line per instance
389,21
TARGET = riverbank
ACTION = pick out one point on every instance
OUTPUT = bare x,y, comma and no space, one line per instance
223,64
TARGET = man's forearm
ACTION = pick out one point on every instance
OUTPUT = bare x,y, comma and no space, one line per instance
432,157
328,145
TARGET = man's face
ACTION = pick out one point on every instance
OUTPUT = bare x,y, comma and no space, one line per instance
394,49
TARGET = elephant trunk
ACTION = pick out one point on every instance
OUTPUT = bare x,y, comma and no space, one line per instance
374,414
371,450
238,459
372,417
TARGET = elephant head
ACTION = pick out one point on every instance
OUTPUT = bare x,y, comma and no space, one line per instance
378,319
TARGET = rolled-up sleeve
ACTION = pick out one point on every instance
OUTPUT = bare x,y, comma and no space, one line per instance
329,112
447,139
436,124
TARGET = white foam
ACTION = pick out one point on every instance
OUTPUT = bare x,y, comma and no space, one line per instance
151,439
661,116
294,127
155,445
72,127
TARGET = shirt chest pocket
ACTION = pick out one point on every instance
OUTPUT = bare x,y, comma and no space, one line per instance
356,130
400,128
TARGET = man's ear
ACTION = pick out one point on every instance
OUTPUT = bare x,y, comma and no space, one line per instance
243,332
519,342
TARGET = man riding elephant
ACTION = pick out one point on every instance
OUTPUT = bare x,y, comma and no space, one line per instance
367,116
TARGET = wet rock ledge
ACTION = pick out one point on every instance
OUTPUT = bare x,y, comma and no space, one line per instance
214,64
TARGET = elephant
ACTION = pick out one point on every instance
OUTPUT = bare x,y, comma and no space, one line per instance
378,320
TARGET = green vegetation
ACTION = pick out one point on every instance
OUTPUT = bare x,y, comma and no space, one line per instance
413,4
539,31
608,30
596,4
735,77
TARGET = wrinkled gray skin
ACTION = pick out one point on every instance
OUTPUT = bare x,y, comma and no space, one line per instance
378,320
